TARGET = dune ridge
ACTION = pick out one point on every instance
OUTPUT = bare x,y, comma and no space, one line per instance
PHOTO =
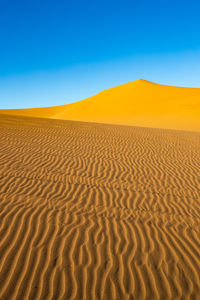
95,211
139,103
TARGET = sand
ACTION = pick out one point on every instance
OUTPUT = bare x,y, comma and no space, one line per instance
95,211
138,103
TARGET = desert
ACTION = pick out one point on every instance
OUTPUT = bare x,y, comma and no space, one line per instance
138,103
100,199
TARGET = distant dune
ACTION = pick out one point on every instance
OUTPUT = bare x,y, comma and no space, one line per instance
94,211
138,103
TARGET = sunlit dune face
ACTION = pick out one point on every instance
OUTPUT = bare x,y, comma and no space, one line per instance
138,103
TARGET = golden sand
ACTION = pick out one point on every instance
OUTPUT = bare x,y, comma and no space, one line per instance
138,103
95,211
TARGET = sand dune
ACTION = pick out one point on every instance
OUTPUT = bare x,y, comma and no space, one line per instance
94,211
138,103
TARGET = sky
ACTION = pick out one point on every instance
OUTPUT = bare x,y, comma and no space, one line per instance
56,52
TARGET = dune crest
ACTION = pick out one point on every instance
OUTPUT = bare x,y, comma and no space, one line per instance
138,103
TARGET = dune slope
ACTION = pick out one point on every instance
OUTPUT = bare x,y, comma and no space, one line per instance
138,103
95,211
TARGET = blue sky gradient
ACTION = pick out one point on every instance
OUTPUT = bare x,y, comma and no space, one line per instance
56,52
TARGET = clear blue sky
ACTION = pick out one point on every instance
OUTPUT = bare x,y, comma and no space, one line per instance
55,52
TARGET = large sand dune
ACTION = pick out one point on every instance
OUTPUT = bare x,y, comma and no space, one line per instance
138,103
94,211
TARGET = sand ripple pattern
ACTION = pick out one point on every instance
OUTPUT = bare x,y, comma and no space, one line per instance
93,211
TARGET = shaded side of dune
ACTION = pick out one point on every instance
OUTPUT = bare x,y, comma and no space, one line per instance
93,211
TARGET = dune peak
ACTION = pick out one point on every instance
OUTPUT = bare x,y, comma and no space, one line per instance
140,80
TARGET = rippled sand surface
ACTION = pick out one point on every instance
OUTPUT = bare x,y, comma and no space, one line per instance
95,211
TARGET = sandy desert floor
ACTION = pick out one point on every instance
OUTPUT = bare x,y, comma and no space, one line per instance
95,211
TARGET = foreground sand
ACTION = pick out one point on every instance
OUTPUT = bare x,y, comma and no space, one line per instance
93,211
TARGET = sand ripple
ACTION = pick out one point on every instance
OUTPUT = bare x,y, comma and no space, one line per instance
93,211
